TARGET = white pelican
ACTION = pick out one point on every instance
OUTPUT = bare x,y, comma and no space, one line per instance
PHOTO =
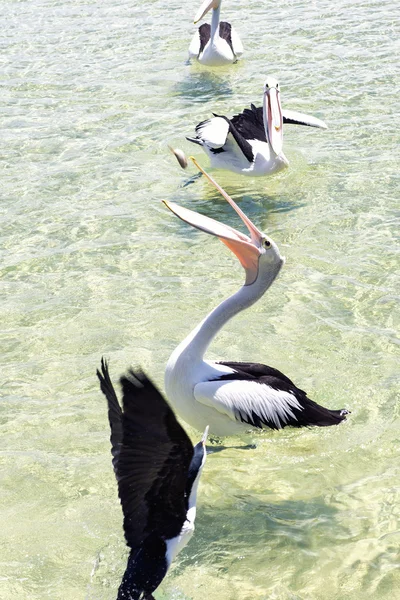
217,45
158,473
231,396
251,142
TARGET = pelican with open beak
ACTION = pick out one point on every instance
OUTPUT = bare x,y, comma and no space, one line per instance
216,45
251,143
233,396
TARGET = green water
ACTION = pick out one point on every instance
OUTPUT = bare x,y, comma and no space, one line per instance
93,264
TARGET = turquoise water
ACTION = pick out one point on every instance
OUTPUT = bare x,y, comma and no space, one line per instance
93,264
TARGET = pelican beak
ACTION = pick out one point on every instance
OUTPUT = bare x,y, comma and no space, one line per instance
247,249
180,156
204,8
273,120
204,436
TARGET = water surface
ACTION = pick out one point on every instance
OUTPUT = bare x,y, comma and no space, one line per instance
93,264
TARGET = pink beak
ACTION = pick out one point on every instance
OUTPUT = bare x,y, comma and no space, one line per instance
273,120
244,247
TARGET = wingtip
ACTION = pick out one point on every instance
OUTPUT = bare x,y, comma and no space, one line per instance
194,140
104,369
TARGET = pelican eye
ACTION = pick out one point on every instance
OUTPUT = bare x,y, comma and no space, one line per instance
267,243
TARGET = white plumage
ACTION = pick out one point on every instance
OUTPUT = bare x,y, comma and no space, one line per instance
231,396
213,132
237,399
216,45
251,143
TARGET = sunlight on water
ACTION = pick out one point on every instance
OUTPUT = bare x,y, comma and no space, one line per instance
93,264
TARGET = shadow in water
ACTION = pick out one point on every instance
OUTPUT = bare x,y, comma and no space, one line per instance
202,86
221,447
256,204
191,180
252,528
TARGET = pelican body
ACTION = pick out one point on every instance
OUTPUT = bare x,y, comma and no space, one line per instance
251,143
234,396
216,45
158,472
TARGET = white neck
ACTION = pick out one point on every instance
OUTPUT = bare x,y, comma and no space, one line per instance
197,342
215,22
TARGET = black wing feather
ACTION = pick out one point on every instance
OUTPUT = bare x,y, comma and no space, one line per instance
114,412
250,123
153,462
225,32
205,34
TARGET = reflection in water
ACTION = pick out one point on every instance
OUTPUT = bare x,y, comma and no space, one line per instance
257,205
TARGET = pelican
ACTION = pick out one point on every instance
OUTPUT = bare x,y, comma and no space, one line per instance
217,45
251,143
158,473
234,396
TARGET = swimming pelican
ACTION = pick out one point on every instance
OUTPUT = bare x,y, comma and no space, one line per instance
231,396
251,142
217,45
158,473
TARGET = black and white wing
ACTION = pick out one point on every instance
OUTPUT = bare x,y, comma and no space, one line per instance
228,33
204,35
263,397
212,133
250,123
151,461
199,40
220,135
292,117
236,43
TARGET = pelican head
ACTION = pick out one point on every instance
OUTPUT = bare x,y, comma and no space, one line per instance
205,7
272,112
258,254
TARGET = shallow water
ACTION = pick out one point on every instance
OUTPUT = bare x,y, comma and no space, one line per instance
93,264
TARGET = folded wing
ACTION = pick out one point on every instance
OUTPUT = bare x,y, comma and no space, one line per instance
263,397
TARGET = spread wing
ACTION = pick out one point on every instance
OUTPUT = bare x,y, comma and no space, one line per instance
153,459
263,397
114,412
292,117
250,123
